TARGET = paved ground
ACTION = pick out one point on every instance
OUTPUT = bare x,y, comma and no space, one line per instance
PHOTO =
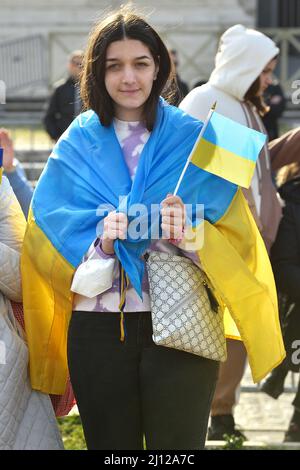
263,418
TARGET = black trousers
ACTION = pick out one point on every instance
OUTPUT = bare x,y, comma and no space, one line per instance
125,391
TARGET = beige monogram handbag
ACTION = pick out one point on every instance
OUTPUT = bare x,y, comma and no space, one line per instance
185,314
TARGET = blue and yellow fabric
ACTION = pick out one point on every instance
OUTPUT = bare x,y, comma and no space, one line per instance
1,163
229,150
87,172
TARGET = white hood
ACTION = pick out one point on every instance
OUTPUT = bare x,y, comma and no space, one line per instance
243,54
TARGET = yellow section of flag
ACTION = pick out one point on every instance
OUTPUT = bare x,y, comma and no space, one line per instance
223,163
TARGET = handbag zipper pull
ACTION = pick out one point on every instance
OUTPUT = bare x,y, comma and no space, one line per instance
212,300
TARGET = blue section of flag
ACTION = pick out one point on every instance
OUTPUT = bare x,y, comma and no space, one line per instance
234,137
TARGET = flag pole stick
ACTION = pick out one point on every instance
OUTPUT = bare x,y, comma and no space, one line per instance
196,143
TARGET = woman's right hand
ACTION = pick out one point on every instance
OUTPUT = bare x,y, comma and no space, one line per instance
115,226
8,150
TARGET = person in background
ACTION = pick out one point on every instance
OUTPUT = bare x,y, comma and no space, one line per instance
15,173
65,103
237,84
23,191
275,100
27,419
285,258
183,88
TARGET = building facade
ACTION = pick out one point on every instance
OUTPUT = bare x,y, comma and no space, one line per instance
36,36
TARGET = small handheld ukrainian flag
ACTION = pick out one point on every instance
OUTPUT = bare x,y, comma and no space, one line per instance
1,163
227,149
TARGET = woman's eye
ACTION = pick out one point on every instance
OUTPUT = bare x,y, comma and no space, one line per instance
113,67
141,64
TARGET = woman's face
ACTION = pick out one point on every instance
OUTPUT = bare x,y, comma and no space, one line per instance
266,77
129,74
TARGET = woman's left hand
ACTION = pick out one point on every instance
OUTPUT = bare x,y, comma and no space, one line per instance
173,217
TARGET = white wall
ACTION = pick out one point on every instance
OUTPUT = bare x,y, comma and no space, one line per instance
191,26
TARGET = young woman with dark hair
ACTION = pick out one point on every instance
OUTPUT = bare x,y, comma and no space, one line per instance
90,295
137,387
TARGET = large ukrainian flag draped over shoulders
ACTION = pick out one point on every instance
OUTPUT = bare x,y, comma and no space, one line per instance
86,171
1,163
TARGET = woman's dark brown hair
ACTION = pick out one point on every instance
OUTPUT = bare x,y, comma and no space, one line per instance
257,100
123,24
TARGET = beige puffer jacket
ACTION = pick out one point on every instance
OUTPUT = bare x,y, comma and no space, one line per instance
12,229
27,419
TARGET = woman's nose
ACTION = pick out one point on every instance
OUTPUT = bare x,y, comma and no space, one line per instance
128,75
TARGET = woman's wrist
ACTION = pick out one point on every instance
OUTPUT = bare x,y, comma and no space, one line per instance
179,239
11,168
107,246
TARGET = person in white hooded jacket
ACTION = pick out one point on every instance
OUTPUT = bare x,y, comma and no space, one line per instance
27,419
243,70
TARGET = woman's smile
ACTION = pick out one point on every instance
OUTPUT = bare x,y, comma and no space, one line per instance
130,92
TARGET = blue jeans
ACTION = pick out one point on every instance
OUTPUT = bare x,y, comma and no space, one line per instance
125,391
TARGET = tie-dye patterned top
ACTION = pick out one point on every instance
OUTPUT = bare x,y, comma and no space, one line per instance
132,137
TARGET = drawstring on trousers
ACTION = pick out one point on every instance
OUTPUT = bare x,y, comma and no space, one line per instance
123,288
